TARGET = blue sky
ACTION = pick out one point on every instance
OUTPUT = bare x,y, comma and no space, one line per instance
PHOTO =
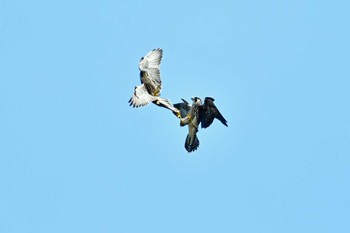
74,157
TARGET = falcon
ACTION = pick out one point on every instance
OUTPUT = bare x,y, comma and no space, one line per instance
195,114
151,83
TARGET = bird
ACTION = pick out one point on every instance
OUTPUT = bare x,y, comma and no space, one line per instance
210,112
195,114
151,83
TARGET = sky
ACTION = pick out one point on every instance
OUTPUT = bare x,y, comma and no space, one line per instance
75,157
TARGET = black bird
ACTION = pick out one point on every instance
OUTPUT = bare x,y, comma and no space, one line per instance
195,114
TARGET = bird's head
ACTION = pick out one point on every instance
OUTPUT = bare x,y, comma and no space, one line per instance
196,100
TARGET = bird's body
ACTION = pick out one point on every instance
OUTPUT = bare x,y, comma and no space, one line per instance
192,120
195,114
151,83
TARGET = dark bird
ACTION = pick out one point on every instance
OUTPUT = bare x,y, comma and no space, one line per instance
151,83
195,114
210,112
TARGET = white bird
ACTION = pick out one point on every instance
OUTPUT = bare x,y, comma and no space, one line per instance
151,83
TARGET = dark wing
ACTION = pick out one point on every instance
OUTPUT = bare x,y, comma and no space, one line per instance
183,107
209,112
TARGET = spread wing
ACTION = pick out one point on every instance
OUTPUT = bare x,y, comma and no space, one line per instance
141,97
209,112
149,71
183,107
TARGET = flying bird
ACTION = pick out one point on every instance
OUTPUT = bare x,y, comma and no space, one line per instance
151,83
210,112
195,114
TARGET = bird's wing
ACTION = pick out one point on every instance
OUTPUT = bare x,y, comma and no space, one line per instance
140,97
183,107
165,103
149,71
209,112
152,60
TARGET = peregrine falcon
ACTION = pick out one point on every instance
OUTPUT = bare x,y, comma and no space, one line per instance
195,114
151,84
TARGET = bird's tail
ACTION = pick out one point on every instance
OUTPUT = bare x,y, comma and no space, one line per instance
192,142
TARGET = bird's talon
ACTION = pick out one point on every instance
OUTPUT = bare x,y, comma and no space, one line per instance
178,115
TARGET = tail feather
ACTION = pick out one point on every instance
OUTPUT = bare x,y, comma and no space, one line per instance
191,143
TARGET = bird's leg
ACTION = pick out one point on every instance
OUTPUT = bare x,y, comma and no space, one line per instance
185,121
194,125
190,121
157,91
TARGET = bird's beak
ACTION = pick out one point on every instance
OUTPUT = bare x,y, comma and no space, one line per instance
192,98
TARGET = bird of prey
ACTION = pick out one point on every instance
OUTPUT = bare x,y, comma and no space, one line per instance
195,114
151,83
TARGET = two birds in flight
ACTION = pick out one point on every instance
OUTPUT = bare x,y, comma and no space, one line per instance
193,115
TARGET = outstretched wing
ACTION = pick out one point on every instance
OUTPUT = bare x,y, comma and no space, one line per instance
183,107
209,112
141,97
149,71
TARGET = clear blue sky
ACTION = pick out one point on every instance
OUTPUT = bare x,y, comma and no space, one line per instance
74,157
